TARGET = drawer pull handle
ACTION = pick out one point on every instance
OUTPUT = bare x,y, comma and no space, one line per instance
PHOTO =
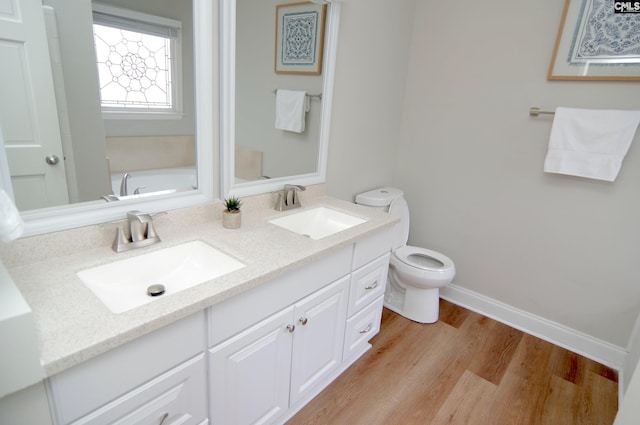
367,329
164,418
291,328
303,320
372,286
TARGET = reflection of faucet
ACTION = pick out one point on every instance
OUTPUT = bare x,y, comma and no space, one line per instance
139,232
123,185
288,197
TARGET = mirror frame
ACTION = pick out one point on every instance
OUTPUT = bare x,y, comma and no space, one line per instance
78,215
227,90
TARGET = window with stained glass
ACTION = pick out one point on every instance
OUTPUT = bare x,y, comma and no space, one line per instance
138,61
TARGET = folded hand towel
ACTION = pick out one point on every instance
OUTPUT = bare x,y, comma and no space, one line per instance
11,225
291,109
590,143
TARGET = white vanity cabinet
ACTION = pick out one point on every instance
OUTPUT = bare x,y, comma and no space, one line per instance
279,343
277,346
257,374
162,374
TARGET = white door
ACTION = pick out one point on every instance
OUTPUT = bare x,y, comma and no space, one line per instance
318,338
250,373
28,115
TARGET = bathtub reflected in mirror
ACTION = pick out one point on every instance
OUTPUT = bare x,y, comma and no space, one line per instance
152,181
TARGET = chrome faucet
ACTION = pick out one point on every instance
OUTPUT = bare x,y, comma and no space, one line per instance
123,185
288,197
138,232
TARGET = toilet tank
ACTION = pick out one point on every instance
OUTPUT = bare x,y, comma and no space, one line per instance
379,198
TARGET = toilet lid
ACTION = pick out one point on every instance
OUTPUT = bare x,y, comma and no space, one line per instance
400,208
422,258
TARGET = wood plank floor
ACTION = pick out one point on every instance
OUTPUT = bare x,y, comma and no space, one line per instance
464,369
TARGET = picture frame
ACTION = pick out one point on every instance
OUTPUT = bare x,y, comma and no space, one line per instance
299,38
584,51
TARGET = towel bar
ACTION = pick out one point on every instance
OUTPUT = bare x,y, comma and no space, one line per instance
535,111
319,95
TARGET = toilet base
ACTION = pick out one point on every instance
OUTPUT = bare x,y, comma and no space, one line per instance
419,305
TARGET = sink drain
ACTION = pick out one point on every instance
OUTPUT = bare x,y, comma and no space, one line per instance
155,290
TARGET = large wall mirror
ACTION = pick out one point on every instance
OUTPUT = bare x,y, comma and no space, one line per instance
259,156
99,113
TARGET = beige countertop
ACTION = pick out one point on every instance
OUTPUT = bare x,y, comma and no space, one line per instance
74,326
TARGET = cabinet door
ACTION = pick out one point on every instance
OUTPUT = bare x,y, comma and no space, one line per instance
250,373
318,338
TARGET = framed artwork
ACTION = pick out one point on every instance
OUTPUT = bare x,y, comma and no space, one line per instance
299,38
597,40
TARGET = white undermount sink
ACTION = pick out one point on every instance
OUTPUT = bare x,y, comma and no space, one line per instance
123,285
318,223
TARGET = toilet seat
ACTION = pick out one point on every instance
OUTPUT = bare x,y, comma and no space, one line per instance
424,259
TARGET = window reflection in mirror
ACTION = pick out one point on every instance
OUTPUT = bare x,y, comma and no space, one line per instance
61,145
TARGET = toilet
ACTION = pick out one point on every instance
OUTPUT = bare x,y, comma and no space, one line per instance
415,274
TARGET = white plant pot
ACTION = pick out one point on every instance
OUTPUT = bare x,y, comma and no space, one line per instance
231,220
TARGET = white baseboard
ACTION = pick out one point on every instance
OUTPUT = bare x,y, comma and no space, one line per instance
571,339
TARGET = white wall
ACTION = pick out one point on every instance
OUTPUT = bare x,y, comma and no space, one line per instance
27,406
470,158
371,67
470,161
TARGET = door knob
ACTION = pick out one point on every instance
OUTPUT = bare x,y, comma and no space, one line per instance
51,159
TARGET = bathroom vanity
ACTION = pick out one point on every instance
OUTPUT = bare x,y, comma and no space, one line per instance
252,346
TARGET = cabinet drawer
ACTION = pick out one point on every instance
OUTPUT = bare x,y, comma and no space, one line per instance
122,369
372,247
367,284
360,329
179,394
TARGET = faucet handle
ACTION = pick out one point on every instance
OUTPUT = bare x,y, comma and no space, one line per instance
120,240
291,195
139,216
294,187
151,231
280,202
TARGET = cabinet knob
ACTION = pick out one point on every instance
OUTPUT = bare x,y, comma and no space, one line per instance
303,320
367,329
291,328
372,286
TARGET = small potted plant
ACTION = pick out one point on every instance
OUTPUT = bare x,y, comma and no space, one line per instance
231,215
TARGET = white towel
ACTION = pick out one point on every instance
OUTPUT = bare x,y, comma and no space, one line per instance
590,143
291,109
11,224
